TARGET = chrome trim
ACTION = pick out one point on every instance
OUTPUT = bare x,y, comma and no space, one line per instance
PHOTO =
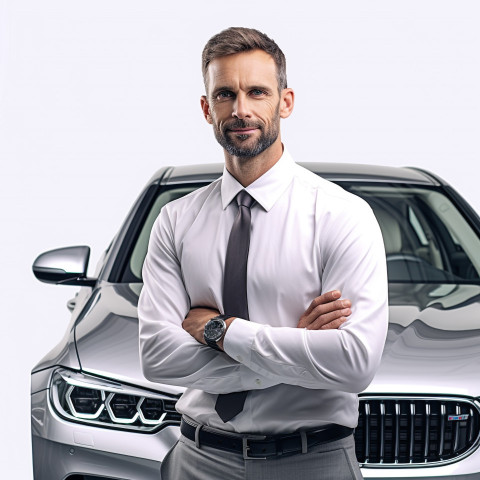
367,432
382,431
412,431
474,403
470,434
397,431
458,411
427,432
443,411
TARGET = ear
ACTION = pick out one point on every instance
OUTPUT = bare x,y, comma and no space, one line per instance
206,109
287,99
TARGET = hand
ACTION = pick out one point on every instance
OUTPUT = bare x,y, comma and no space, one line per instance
326,312
195,321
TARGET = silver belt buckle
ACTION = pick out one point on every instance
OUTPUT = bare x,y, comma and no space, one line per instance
246,447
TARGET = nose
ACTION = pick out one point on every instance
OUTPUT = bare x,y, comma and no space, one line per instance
241,107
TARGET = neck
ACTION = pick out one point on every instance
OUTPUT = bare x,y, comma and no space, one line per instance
247,170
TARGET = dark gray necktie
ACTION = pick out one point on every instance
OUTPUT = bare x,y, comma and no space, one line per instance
235,291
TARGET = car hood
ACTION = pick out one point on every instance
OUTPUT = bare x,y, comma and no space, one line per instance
433,340
432,347
107,337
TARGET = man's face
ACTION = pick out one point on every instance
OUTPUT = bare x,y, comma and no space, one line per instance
243,102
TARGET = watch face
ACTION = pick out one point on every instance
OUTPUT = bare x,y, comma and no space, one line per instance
214,330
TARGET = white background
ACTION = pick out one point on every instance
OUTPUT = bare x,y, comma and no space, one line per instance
97,95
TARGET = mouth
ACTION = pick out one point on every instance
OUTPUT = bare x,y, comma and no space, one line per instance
243,131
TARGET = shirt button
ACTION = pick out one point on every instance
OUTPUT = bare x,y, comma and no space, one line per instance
257,381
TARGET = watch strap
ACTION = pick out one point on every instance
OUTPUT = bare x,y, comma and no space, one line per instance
213,343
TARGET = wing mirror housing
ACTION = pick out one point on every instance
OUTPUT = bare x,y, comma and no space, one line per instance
64,266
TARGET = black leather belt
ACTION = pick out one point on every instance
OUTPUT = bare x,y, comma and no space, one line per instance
260,446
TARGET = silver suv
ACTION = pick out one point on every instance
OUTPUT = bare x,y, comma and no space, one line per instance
95,416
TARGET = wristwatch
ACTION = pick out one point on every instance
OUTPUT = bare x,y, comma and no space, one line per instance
214,330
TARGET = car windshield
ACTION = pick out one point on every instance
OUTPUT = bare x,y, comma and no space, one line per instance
427,239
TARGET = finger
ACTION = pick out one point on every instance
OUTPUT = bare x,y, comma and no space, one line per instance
320,310
323,299
327,318
330,307
335,324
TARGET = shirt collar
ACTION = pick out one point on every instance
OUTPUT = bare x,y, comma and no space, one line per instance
267,189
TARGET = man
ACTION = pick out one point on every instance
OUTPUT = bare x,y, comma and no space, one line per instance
272,383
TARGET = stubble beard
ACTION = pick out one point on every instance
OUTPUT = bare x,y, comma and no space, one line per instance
238,145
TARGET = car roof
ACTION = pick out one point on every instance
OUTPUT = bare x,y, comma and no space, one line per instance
208,172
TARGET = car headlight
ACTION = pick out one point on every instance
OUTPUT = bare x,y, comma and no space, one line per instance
106,403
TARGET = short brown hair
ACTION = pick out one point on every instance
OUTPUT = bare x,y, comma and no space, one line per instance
239,39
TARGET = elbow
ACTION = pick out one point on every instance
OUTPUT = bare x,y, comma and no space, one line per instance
362,367
352,378
162,364
356,381
359,383
147,371
156,373
150,362
363,375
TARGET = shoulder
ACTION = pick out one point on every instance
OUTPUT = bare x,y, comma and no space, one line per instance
344,222
193,202
185,209
330,197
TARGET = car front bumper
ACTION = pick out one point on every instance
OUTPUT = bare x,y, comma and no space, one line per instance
62,449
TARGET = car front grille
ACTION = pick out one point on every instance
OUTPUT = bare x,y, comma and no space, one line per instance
408,431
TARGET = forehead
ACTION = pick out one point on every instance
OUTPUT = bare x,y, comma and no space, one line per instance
246,68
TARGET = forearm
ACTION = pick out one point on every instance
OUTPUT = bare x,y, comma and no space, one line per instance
339,359
173,357
345,358
168,353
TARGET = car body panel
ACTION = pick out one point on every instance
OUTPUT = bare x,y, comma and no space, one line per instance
432,348
425,351
331,171
107,339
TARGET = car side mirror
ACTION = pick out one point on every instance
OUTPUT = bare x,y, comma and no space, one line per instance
64,266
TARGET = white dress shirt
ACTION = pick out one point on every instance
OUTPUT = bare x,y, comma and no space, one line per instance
308,236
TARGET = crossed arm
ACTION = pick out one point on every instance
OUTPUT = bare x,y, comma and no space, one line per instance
326,312
337,345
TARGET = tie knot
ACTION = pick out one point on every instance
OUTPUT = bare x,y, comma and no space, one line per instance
244,199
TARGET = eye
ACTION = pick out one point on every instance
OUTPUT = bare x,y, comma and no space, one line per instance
257,92
224,94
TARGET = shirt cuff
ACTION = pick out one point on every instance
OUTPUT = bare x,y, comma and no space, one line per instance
239,338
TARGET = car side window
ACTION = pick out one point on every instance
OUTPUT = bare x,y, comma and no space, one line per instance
417,227
427,239
134,267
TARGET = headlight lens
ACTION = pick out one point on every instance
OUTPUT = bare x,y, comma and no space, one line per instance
92,400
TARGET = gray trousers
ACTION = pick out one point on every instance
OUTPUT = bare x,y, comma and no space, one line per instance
330,461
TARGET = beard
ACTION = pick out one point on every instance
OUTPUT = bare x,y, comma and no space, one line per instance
242,145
